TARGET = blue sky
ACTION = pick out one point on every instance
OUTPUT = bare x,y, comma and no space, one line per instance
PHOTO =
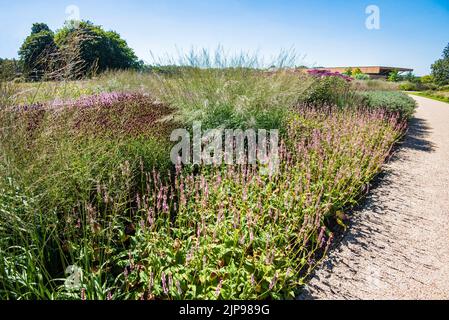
327,33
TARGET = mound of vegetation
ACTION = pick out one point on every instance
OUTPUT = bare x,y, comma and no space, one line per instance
390,101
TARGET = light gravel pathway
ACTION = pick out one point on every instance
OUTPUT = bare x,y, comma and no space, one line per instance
397,246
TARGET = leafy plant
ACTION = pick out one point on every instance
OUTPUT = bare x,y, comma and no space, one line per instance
361,76
36,50
327,89
391,101
99,49
440,71
394,76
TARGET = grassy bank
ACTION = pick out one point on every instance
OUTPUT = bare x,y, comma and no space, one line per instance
432,95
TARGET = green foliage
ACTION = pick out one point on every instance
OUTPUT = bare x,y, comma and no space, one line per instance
409,86
9,69
36,50
224,232
357,71
86,146
348,72
440,71
78,48
170,70
435,95
374,85
391,101
39,27
416,85
361,76
234,95
446,52
356,74
410,77
327,91
394,76
427,79
99,49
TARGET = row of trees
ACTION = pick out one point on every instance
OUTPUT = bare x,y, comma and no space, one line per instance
74,51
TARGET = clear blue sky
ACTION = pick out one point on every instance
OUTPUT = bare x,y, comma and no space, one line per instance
328,33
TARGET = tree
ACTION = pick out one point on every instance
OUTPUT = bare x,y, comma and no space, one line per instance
357,71
446,52
394,76
440,69
98,49
74,51
35,50
39,27
409,76
348,72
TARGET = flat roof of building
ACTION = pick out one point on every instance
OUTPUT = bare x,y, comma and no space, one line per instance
367,69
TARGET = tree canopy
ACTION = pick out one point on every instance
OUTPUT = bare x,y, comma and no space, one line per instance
440,69
39,27
95,49
35,50
446,52
98,48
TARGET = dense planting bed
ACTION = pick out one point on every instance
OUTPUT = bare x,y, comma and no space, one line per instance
87,183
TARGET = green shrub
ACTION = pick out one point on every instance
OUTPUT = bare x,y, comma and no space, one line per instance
327,91
417,86
394,76
10,69
374,85
361,76
390,101
428,79
409,86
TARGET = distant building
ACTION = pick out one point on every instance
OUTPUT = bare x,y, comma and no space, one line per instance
375,72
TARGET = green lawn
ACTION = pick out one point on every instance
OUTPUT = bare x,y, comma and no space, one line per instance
430,96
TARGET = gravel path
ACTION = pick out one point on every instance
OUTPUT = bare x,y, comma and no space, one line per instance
398,245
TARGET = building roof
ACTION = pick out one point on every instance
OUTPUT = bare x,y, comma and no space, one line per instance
368,69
